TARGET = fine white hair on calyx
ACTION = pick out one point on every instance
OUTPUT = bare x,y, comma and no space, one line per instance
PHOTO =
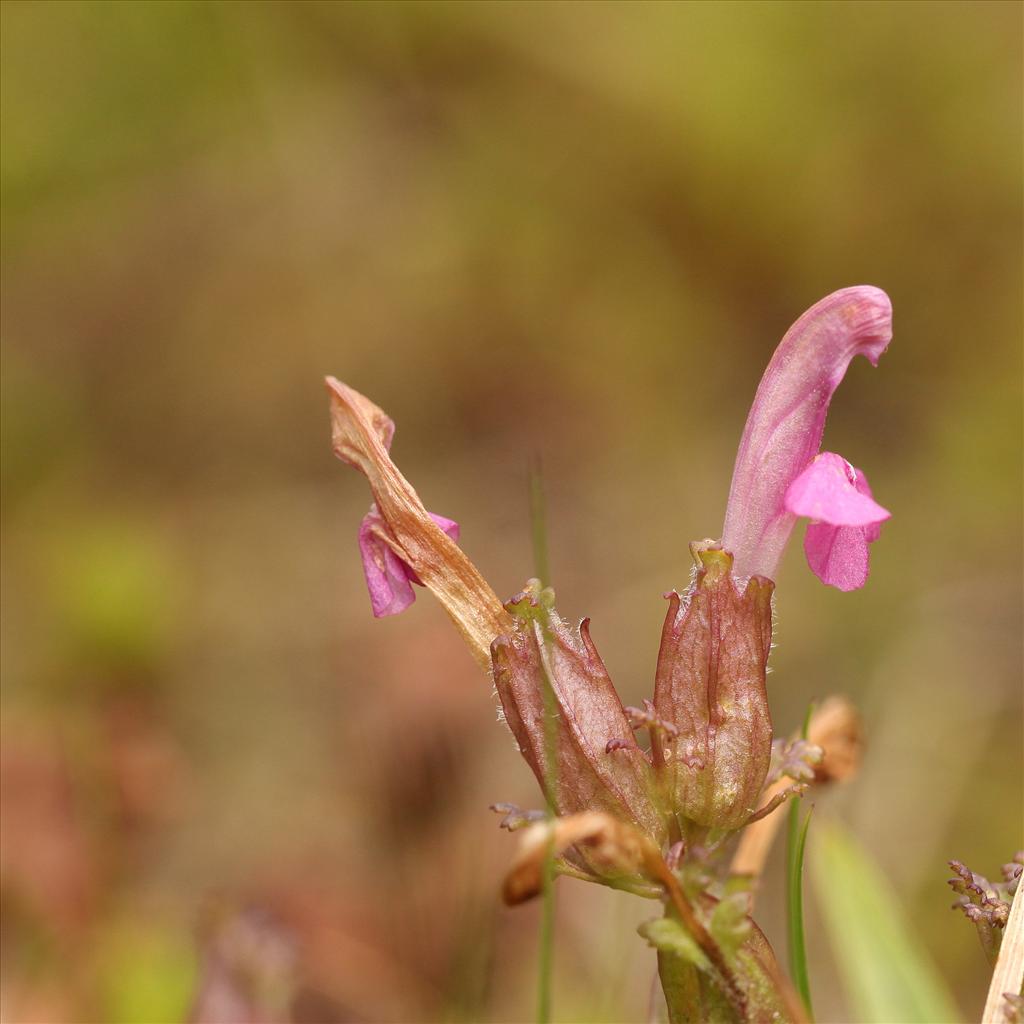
499,714
775,633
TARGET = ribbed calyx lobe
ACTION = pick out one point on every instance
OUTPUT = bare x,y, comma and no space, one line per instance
710,683
586,774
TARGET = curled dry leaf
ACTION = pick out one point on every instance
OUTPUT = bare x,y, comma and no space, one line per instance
1008,976
360,435
611,847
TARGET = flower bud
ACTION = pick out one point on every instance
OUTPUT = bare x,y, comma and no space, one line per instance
831,753
837,728
710,684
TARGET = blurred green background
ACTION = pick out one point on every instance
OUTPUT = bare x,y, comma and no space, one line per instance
575,229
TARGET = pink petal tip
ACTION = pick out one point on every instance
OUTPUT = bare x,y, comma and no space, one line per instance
844,516
830,490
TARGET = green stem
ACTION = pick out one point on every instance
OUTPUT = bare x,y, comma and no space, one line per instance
681,986
546,951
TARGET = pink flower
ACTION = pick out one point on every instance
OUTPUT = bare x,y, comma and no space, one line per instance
844,519
388,578
779,474
400,541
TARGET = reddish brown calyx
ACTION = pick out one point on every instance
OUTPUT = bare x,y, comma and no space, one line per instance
573,761
710,684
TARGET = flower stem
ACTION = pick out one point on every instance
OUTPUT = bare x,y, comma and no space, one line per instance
542,570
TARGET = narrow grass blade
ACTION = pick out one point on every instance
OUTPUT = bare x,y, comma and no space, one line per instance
887,973
538,525
796,840
795,843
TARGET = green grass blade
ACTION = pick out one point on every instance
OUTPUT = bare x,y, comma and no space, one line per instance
887,973
795,844
808,715
546,944
796,840
538,525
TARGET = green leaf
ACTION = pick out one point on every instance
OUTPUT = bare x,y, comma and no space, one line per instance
887,973
669,936
730,926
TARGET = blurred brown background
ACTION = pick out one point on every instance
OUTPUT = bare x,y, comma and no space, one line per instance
574,229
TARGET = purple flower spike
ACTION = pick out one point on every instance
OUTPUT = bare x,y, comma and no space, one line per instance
786,423
844,516
388,578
